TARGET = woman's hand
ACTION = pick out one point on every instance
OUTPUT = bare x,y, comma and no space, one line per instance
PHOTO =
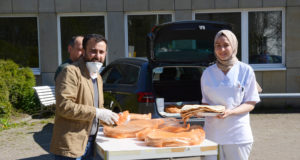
226,113
241,109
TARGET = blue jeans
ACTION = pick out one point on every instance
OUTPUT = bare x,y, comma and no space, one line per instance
88,154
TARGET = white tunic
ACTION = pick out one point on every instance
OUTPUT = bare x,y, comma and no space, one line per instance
231,90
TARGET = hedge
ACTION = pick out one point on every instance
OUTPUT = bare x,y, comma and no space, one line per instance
16,89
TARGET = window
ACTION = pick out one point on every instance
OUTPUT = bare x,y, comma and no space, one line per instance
19,40
138,28
260,34
121,74
78,25
112,76
265,37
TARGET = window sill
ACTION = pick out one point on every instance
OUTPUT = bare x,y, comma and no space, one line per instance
269,68
36,71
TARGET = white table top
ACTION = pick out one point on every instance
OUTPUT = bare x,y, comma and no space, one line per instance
131,148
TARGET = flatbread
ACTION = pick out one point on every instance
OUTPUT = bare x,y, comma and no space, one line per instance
207,108
173,109
188,111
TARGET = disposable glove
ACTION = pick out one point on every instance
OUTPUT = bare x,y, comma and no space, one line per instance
107,116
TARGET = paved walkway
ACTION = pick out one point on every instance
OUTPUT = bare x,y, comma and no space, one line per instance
29,142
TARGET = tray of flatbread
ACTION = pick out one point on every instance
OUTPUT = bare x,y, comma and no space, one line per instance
188,111
207,114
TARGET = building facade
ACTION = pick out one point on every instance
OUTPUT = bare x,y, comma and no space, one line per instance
35,33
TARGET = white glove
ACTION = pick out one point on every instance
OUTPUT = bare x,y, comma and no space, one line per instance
107,116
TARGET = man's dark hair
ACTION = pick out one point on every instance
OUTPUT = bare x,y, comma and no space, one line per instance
72,41
97,37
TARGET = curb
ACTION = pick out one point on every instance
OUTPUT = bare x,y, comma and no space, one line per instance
23,119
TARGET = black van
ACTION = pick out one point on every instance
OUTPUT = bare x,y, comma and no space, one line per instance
178,53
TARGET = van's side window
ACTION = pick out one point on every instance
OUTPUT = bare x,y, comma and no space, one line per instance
130,74
112,76
121,74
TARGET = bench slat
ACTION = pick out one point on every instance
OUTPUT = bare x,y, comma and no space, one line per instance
46,95
45,90
38,87
47,99
49,103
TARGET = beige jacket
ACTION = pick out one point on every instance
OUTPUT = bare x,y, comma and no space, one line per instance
74,112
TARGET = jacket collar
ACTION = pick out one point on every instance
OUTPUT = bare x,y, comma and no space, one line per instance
83,68
86,74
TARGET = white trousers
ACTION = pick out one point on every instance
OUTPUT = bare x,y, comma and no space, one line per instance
232,152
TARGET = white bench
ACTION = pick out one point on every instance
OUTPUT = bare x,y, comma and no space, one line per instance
46,95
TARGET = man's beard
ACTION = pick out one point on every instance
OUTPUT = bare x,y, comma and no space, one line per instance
90,60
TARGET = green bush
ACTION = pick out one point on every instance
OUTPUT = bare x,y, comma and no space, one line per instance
5,106
19,83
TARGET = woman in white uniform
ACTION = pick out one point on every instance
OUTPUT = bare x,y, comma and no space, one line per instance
230,83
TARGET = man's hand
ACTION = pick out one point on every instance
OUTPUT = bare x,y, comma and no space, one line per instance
107,116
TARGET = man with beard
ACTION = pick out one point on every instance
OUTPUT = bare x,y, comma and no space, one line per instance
79,103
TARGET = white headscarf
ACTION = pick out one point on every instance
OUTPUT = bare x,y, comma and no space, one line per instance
225,65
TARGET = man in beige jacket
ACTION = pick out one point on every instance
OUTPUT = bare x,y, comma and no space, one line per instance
79,103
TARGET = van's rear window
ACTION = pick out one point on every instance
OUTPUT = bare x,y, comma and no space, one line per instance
187,45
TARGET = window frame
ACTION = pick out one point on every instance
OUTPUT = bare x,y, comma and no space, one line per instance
59,47
245,38
126,14
36,71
